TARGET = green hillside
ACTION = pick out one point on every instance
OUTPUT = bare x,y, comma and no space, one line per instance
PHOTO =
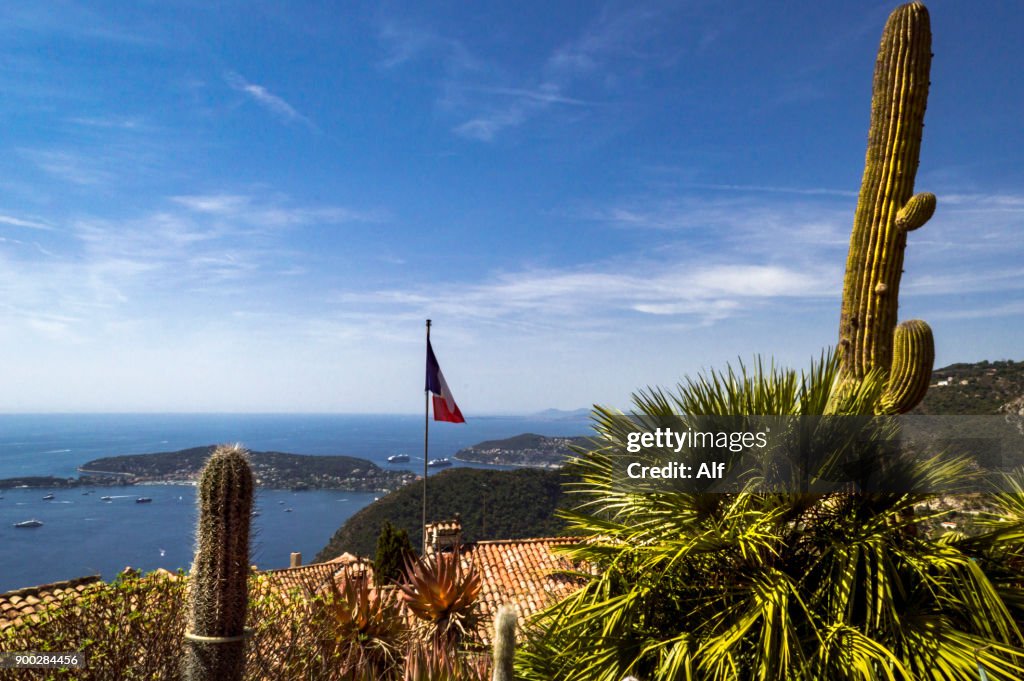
981,388
493,505
516,504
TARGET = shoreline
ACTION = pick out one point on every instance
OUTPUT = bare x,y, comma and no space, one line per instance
545,467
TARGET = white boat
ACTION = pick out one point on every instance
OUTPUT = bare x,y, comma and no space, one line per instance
398,458
29,523
438,463
106,498
48,497
143,500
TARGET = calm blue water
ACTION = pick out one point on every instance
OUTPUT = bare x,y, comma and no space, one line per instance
82,535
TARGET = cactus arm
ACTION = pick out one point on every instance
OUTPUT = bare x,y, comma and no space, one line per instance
913,356
886,207
917,211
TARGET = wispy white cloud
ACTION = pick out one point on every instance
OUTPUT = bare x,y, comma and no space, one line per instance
109,271
1009,309
963,280
613,33
742,227
53,328
500,108
464,81
248,210
593,296
207,238
979,203
546,93
405,43
78,21
971,245
111,154
109,122
704,264
490,100
968,229
70,166
484,128
20,222
769,189
268,100
218,204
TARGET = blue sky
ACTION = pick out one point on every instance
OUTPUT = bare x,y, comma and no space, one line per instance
253,206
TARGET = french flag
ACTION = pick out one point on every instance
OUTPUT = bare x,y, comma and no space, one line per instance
445,408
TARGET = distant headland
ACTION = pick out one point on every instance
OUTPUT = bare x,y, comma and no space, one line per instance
276,470
528,449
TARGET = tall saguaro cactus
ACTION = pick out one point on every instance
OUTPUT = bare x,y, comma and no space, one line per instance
887,210
215,644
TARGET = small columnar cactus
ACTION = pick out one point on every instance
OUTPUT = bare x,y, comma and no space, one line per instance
504,644
887,208
215,644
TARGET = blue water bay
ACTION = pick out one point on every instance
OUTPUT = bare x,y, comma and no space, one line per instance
82,535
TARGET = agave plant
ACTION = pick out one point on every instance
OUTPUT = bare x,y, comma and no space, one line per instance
363,626
438,660
442,595
766,585
430,662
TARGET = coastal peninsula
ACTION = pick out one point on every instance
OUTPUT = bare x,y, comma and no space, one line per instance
275,470
528,449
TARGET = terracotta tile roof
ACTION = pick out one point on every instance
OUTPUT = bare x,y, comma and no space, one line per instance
23,604
348,559
314,576
523,572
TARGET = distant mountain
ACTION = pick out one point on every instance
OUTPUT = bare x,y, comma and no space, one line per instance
493,505
528,449
561,414
981,388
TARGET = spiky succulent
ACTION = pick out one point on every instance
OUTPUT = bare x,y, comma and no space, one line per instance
364,625
442,594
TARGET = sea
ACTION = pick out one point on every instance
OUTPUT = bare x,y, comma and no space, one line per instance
84,535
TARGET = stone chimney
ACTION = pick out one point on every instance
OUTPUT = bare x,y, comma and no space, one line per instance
444,535
296,560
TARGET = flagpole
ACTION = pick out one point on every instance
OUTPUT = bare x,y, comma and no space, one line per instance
426,434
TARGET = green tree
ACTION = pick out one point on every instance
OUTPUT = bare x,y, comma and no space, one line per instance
772,585
393,548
